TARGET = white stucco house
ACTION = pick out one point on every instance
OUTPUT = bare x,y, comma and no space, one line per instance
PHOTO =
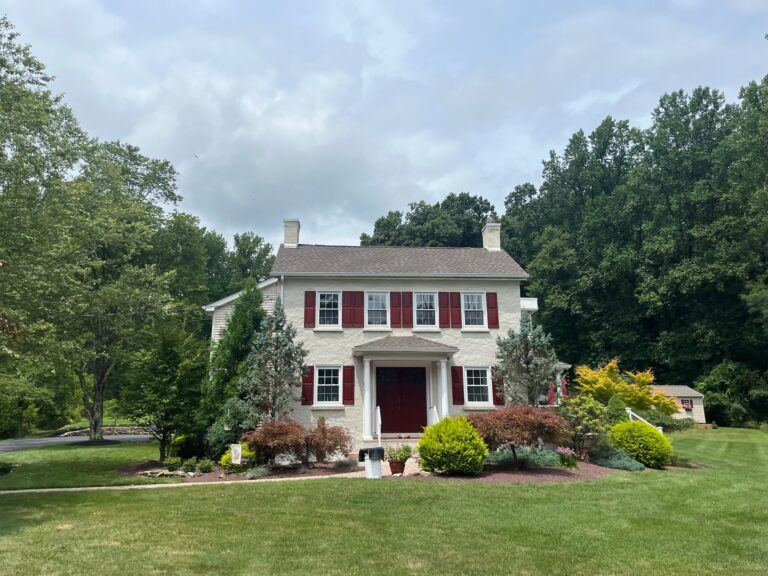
408,331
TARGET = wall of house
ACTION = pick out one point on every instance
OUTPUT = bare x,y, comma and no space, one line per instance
335,347
697,413
221,315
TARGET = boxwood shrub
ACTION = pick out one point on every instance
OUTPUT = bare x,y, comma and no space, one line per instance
643,443
452,446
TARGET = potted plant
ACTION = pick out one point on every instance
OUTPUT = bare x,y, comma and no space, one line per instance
397,456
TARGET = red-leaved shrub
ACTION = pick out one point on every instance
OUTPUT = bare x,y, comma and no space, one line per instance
327,441
518,426
288,438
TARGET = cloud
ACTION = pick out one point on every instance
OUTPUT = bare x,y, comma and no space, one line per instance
337,112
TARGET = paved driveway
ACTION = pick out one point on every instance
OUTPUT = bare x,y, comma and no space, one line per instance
16,444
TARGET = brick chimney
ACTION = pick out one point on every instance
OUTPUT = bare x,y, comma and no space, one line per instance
291,227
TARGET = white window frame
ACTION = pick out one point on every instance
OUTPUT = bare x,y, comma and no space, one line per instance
484,303
387,305
317,309
417,326
340,371
489,383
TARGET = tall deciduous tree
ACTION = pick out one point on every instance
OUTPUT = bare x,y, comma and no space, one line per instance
526,363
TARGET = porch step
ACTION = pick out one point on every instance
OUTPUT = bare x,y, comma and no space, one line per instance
412,440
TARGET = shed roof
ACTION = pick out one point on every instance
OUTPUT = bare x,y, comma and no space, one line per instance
395,261
678,391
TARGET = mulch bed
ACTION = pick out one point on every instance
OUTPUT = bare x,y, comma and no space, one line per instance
277,472
586,471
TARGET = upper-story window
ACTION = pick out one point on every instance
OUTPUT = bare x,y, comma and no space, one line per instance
377,313
328,309
474,308
426,306
478,389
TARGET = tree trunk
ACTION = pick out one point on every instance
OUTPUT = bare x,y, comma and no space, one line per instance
165,442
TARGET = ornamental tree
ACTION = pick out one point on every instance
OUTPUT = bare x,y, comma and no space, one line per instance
527,363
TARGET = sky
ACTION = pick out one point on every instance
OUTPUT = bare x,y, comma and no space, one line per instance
338,112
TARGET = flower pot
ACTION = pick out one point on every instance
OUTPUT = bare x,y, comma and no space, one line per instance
396,467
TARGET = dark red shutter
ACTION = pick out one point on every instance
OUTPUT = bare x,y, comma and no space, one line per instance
444,307
309,309
308,386
346,309
455,309
395,313
348,386
492,303
497,390
457,380
358,309
407,309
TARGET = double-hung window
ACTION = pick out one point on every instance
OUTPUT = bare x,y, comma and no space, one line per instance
327,387
377,312
328,309
478,385
474,308
426,309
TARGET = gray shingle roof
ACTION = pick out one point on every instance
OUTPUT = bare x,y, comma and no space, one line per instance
404,344
678,391
318,260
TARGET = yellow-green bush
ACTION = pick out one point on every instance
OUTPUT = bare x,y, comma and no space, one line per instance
452,446
643,443
247,457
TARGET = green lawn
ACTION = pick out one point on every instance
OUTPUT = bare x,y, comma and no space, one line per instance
76,465
710,521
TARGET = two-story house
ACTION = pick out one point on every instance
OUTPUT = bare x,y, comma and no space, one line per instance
410,331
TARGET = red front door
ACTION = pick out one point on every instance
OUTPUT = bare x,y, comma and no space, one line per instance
401,394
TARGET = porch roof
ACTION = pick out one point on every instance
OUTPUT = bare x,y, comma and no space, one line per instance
401,344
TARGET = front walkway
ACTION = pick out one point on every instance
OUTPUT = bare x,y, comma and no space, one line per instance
410,468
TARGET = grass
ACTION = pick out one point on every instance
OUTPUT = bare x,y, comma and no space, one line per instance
76,465
708,521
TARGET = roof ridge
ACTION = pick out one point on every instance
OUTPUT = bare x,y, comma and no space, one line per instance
398,246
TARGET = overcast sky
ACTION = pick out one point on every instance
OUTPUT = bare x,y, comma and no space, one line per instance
337,112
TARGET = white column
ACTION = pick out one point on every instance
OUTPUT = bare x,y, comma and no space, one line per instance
443,388
367,402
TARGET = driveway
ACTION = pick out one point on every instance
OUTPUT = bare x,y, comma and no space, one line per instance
15,444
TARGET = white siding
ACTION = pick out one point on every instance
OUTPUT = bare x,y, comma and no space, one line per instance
222,313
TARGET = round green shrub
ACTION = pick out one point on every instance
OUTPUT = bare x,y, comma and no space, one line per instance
643,443
452,446
172,463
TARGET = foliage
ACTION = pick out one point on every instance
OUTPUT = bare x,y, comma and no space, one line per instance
568,458
456,221
20,405
612,457
257,472
275,438
667,423
616,410
527,363
586,417
524,457
247,459
633,388
272,371
452,446
327,441
173,463
186,446
643,443
733,393
205,465
399,453
517,426
227,429
189,465
5,467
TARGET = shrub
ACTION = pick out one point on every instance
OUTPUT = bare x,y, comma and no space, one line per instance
617,410
5,467
327,441
205,465
399,453
643,443
186,446
189,465
247,459
279,438
612,457
668,423
518,426
258,472
567,457
346,464
172,463
525,457
586,417
452,446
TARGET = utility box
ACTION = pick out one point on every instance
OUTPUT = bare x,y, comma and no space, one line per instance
373,462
